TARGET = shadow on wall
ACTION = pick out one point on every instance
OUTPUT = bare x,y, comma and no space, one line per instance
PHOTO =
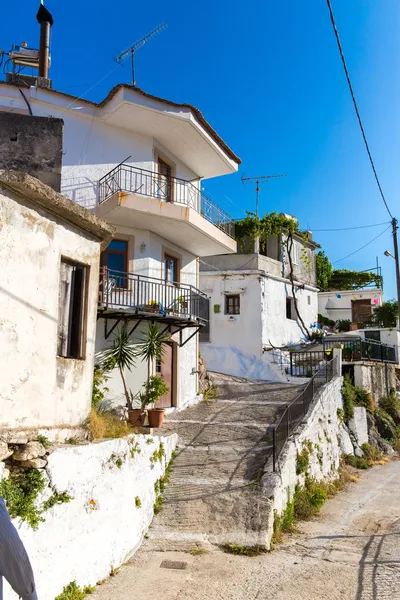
230,361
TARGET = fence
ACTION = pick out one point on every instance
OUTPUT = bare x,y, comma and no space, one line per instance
297,410
128,178
356,349
121,291
305,364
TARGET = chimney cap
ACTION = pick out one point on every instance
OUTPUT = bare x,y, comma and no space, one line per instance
44,16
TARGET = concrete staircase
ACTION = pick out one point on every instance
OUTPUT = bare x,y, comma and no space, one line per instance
214,494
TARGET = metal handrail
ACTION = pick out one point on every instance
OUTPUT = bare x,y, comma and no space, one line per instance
299,407
128,178
357,348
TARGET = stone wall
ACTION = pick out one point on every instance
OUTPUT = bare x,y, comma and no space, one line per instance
32,145
377,378
112,488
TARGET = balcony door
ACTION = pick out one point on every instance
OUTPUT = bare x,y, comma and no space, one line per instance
165,370
164,180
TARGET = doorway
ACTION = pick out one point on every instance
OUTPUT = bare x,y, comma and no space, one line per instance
361,311
165,370
165,180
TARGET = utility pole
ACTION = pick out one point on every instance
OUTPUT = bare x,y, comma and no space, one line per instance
396,258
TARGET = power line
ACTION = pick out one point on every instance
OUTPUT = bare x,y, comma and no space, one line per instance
362,247
356,107
351,228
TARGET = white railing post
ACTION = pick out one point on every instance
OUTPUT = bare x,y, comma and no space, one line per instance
337,354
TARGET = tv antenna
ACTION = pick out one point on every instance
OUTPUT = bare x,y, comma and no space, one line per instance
136,46
257,181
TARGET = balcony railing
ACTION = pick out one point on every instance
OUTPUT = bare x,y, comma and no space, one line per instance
127,178
356,349
119,291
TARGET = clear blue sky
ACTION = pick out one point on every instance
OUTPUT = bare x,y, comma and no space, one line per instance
268,77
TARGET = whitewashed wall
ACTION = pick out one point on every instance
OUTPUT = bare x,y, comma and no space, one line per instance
237,341
37,388
101,526
322,429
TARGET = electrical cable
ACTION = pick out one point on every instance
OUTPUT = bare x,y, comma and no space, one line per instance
93,86
362,247
356,107
351,228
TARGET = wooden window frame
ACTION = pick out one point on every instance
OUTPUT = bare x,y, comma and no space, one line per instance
235,307
168,254
159,156
83,316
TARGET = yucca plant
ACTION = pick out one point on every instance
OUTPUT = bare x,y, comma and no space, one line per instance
124,353
151,348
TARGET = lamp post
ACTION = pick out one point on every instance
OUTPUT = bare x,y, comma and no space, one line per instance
396,259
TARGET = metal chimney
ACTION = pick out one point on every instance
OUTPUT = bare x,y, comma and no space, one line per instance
46,21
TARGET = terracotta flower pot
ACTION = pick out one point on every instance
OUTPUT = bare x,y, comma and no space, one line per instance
156,417
136,416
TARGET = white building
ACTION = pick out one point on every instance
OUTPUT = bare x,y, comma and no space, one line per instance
49,256
352,305
252,307
138,161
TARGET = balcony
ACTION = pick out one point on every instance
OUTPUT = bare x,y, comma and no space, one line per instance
173,208
138,297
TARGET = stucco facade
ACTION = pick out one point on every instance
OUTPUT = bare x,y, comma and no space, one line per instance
238,342
39,228
337,305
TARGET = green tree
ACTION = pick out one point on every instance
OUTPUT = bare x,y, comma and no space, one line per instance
324,270
151,348
345,279
386,314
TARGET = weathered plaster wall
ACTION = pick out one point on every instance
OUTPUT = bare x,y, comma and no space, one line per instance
237,341
101,526
33,145
37,388
322,428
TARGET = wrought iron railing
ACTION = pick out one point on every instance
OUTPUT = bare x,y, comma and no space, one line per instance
356,349
149,295
127,178
297,410
306,364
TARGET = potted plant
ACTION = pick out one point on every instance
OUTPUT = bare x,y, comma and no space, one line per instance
123,355
154,390
182,303
153,306
151,349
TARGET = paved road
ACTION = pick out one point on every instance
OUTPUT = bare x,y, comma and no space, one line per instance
351,552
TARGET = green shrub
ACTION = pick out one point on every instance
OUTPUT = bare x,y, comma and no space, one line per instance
343,325
364,398
371,452
385,424
340,415
308,500
72,591
349,398
57,498
391,405
20,493
42,439
302,461
356,462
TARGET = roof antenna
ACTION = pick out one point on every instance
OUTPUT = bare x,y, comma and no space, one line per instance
136,46
256,181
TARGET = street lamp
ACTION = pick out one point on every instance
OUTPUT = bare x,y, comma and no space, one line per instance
387,253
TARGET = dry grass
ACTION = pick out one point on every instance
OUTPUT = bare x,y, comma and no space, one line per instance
105,425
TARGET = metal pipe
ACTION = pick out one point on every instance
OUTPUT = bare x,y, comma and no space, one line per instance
46,21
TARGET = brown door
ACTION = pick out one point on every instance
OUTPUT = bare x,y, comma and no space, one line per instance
165,370
361,310
165,183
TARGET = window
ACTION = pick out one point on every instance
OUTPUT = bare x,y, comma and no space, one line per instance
290,309
115,258
295,253
71,309
309,300
171,274
232,304
165,180
373,335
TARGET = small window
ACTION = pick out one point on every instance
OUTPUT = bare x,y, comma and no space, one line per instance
115,258
71,309
232,304
309,300
290,309
170,269
295,253
373,335
158,366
